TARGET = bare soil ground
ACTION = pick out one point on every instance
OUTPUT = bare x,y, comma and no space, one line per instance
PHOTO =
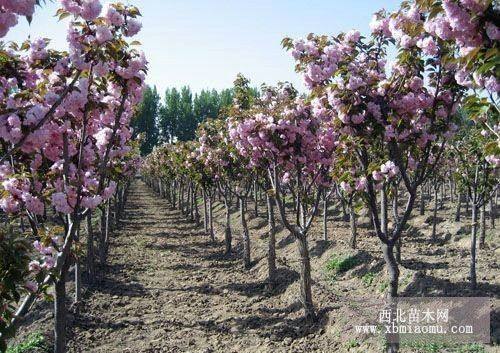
168,289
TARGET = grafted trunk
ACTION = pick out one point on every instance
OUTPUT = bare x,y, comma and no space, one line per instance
255,199
102,237
325,218
246,234
434,214
352,225
78,271
117,209
422,201
271,252
492,213
228,236
473,241
196,209
482,222
90,250
205,211
392,270
459,207
211,219
60,310
305,277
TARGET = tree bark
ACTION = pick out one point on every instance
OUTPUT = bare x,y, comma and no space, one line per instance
482,222
492,213
459,206
325,217
305,277
245,235
434,214
271,252
422,201
78,272
60,310
255,199
352,225
211,219
205,211
90,250
227,232
472,272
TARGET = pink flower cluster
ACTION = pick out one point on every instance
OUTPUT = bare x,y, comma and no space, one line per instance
10,10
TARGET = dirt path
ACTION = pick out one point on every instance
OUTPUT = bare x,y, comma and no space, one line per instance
167,289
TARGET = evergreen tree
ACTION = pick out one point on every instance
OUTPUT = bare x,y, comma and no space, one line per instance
145,120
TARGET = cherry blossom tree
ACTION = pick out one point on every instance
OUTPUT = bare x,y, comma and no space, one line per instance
64,132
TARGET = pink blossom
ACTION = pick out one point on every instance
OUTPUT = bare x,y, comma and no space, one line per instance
492,31
31,286
352,36
361,184
90,9
35,267
113,17
133,27
428,46
60,202
103,34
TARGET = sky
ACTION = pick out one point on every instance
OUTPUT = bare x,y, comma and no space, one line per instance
206,43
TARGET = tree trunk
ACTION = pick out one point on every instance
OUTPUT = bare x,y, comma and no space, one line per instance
482,222
472,273
60,310
325,218
255,199
117,210
90,250
422,201
102,237
196,209
246,235
305,277
434,214
352,225
78,271
459,206
227,232
205,211
211,219
271,253
392,270
492,213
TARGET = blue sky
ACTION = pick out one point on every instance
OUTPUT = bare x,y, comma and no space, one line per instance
204,44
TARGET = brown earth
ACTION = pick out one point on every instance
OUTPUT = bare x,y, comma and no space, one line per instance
168,289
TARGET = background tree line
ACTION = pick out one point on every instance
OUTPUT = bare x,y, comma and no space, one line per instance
176,117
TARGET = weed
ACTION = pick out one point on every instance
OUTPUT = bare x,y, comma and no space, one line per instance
34,343
341,264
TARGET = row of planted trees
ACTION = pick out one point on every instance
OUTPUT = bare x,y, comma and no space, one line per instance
66,152
375,135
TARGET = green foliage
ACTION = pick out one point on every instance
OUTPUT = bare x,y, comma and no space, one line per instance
368,278
13,269
181,113
145,120
34,343
339,264
418,347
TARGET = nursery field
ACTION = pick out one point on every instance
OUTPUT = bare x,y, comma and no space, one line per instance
349,205
168,288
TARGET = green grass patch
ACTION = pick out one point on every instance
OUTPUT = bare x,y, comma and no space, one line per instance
368,278
340,264
444,348
34,343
